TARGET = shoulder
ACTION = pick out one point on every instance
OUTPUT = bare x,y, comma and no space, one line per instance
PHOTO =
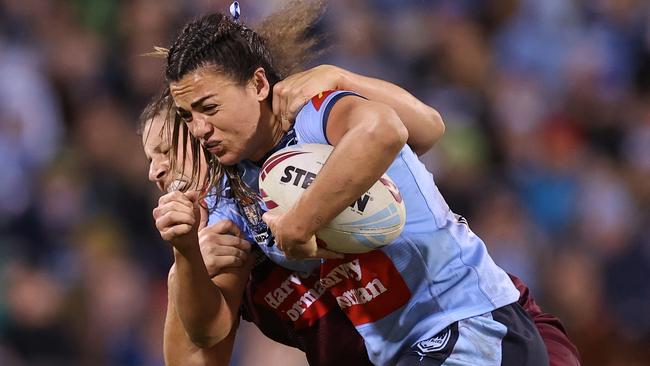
311,121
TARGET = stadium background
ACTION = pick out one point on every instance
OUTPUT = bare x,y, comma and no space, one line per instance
547,153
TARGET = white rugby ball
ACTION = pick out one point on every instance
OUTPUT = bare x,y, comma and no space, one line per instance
372,221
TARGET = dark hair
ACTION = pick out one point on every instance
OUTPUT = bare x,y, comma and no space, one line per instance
218,41
283,45
158,104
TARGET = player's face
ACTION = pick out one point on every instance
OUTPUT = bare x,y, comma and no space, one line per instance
223,114
157,150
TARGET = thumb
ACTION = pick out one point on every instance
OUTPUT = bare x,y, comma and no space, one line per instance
199,210
270,219
203,221
193,196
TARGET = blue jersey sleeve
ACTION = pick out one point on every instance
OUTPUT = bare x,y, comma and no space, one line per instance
224,207
311,121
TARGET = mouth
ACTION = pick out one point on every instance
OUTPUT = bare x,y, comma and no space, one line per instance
177,185
214,147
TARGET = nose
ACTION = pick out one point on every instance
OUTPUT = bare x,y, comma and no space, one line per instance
201,129
158,170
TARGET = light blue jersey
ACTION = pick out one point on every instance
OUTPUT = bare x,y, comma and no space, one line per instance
435,273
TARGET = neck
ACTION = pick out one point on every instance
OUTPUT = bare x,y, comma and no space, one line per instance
270,133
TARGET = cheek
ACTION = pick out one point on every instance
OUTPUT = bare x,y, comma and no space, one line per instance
241,124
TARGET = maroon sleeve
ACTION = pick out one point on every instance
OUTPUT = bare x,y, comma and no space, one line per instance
561,351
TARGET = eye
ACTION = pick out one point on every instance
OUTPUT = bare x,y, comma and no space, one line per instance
210,109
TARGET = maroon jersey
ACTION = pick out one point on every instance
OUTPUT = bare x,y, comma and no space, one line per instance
289,308
561,352
293,309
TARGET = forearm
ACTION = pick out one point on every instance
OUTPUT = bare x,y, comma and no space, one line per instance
352,168
179,350
200,304
424,123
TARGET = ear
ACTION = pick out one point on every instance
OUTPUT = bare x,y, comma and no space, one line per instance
261,84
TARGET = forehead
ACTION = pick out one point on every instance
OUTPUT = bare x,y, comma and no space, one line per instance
152,134
200,82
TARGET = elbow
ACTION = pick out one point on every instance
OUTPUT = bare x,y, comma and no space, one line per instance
433,129
208,336
438,125
204,342
388,130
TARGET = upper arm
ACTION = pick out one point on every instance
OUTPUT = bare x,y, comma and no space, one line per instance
330,115
375,119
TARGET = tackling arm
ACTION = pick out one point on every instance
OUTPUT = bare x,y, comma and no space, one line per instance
179,349
424,124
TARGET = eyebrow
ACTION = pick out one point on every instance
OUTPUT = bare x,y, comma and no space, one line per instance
201,100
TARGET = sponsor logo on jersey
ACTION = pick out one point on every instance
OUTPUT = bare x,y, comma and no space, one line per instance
366,286
295,296
361,295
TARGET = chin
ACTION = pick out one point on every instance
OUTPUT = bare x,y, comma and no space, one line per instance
229,159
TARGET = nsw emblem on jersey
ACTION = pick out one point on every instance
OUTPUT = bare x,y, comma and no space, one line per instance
436,343
251,212
439,346
253,215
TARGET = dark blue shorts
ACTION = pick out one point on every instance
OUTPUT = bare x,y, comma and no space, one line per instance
506,336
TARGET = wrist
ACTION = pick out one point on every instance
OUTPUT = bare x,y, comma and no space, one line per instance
303,223
186,253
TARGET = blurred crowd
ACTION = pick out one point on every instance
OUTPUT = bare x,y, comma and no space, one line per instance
546,153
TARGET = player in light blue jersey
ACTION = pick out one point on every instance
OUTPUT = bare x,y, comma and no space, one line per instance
434,296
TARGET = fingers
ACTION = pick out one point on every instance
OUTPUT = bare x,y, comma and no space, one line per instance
291,94
328,254
175,231
224,227
320,253
221,251
277,94
218,257
209,239
216,265
174,216
175,196
310,250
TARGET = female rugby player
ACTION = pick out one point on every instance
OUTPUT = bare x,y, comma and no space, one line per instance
434,292
224,251
443,297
